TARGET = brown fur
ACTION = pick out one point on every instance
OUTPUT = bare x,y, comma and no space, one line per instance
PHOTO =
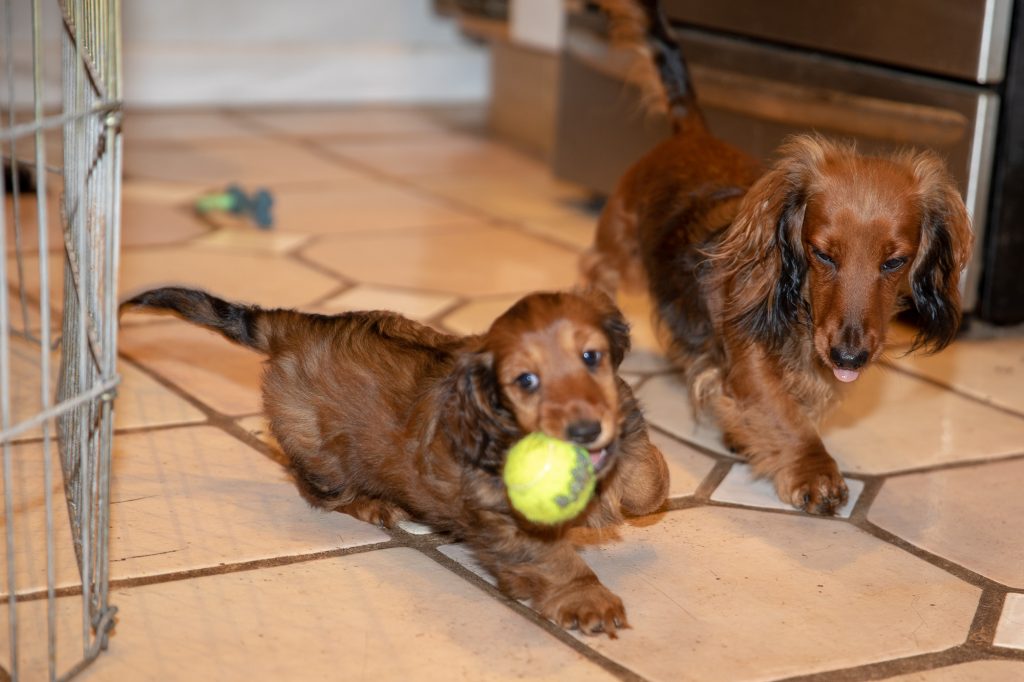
767,282
386,419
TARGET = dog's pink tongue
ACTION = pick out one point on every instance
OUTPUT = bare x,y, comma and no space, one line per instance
845,375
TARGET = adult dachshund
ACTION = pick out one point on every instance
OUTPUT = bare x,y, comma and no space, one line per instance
777,286
386,419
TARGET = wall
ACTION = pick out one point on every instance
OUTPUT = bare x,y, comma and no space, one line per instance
206,52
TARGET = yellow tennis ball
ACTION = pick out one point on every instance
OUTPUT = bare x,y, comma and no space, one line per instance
549,480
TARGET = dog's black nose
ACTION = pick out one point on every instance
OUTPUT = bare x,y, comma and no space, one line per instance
583,431
846,358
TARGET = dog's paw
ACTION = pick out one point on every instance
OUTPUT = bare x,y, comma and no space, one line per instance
592,609
814,487
377,512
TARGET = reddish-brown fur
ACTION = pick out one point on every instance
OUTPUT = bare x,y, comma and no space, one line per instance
387,419
775,285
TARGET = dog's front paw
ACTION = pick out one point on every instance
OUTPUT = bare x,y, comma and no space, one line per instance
815,486
592,608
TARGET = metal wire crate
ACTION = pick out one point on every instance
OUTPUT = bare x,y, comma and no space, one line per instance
57,385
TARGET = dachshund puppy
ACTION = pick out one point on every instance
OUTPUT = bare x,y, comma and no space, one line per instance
386,419
776,287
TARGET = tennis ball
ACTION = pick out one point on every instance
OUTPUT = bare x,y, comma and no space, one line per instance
548,480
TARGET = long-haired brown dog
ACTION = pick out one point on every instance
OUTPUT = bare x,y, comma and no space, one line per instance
386,419
775,286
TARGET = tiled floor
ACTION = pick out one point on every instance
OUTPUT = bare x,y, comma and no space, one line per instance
220,571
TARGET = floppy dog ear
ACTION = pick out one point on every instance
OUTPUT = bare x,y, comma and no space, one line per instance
479,427
613,323
759,265
945,247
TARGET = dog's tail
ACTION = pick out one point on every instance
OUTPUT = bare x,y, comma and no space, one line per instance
641,24
244,324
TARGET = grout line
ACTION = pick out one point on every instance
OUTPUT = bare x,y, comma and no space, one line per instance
900,666
986,619
947,466
556,631
953,389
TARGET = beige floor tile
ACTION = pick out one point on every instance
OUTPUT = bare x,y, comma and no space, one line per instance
28,221
141,401
414,305
507,196
364,207
733,594
183,126
976,671
196,497
181,499
449,261
256,162
970,516
355,122
453,154
666,402
243,277
991,369
686,466
243,236
386,615
574,228
203,364
887,422
182,194
1010,632
149,223
476,317
28,493
740,487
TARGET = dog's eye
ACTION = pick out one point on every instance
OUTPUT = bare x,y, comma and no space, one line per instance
893,264
823,257
528,381
592,358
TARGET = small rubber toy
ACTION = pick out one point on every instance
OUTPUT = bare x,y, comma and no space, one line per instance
234,200
549,481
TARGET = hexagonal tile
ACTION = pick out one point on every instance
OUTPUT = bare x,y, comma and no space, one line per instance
507,195
453,154
479,260
180,499
989,369
741,487
476,317
244,277
411,618
203,364
140,126
1010,631
150,223
886,422
666,403
141,401
414,305
244,236
194,497
741,595
687,467
367,206
975,671
256,162
356,122
969,515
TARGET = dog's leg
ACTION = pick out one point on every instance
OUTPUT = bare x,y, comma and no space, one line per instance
614,259
763,422
376,511
550,574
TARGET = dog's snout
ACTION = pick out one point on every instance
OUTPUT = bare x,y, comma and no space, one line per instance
848,358
583,431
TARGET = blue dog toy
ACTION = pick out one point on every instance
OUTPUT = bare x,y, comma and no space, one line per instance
256,207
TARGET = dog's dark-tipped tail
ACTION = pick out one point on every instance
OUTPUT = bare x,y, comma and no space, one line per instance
243,324
642,23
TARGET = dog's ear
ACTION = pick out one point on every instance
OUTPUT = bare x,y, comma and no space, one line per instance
479,427
945,248
613,323
759,265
